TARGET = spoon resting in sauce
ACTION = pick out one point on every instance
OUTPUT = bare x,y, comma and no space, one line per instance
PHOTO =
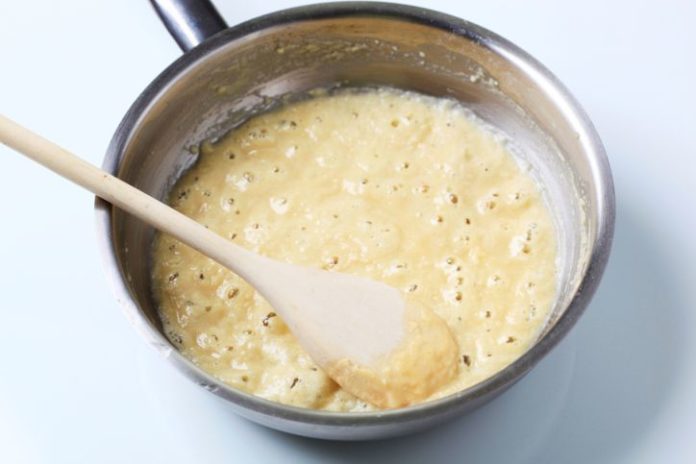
362,333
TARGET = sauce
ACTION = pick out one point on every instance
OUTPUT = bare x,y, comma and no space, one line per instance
390,185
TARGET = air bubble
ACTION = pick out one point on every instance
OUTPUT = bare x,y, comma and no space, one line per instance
437,219
279,204
330,263
291,151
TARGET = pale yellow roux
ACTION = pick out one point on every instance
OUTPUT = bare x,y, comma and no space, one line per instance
394,186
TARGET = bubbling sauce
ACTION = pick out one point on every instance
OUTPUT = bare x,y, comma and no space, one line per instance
395,186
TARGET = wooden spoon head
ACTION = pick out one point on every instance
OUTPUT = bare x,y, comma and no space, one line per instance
424,360
368,338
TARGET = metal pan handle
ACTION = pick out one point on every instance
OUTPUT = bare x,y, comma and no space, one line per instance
190,22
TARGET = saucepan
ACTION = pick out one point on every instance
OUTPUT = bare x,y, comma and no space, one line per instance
225,75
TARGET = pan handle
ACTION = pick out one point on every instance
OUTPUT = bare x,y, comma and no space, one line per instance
190,22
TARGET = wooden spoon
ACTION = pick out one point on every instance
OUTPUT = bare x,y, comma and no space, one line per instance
361,332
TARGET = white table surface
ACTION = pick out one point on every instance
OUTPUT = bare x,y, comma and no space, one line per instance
77,385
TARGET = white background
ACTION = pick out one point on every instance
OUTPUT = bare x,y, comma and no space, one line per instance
78,385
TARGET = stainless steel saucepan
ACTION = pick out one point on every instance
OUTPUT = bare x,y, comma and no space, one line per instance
227,74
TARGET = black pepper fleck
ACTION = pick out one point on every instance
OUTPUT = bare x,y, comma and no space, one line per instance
267,319
232,293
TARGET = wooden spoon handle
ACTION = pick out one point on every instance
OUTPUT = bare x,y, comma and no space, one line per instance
126,197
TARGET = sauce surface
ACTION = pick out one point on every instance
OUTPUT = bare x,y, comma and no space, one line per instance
394,186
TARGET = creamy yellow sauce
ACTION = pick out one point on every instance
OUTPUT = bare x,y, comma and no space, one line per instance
394,186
